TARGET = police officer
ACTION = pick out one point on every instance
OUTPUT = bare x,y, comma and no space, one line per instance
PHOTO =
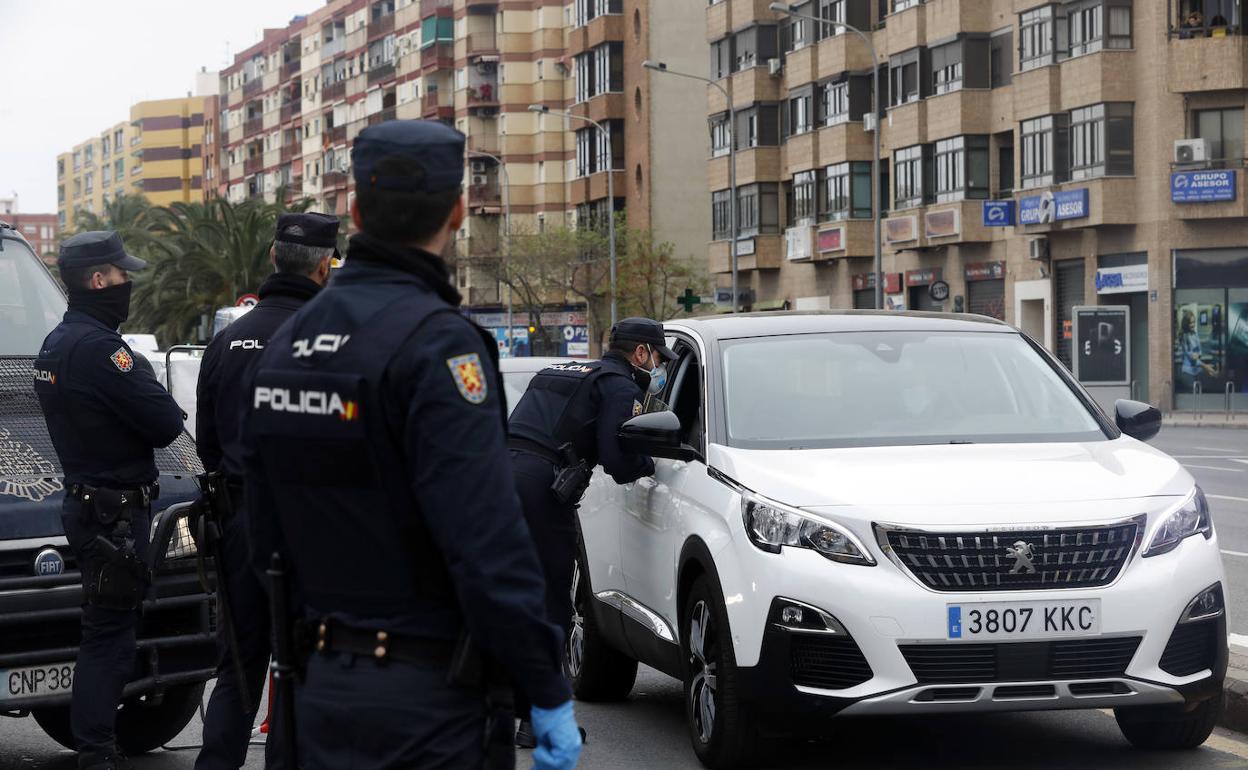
376,465
569,417
106,415
302,249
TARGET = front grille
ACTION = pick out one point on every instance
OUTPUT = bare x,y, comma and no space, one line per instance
21,563
1020,661
1193,647
1020,560
827,662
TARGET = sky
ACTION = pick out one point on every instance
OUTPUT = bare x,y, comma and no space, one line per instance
71,68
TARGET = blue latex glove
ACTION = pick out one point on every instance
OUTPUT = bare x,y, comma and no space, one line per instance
558,738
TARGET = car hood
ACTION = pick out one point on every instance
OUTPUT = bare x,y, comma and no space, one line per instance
956,475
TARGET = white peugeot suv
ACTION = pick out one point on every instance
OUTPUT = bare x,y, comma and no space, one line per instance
884,513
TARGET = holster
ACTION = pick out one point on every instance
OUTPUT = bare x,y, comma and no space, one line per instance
472,669
119,580
572,478
106,506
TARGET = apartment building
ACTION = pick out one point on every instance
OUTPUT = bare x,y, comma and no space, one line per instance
1037,157
292,105
158,153
39,230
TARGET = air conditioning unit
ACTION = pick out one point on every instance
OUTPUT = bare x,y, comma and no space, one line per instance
869,121
479,180
1191,150
1038,248
775,67
479,167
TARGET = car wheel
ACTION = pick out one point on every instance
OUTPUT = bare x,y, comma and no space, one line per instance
716,716
598,671
55,722
1163,727
145,725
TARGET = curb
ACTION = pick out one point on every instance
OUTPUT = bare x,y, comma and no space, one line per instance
1218,420
1235,712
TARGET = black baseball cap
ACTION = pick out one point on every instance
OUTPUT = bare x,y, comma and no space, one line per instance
97,247
642,330
309,228
435,148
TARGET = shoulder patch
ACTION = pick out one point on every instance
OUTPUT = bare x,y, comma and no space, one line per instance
122,360
637,409
469,377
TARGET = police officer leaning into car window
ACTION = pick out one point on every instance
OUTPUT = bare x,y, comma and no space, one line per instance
564,425
106,415
302,249
376,465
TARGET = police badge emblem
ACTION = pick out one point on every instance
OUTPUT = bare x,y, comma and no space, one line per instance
637,408
122,360
469,377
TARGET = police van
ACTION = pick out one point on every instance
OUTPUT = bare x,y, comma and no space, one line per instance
40,586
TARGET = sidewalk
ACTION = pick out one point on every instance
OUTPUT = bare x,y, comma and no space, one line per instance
1235,715
1205,420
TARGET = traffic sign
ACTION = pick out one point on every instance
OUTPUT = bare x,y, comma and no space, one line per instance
247,300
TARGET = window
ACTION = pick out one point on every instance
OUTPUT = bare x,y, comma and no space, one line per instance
1087,22
903,71
754,46
599,71
1001,58
596,152
89,181
721,58
584,78
834,102
802,205
119,168
800,112
721,135
587,10
117,141
910,166
1225,131
721,215
947,68
758,126
758,208
1045,151
584,151
106,174
1041,36
961,168
1102,141
901,5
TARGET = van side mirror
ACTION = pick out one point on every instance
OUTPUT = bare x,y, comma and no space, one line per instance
656,435
1136,419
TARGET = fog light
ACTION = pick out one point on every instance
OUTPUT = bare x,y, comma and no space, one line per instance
1207,604
791,615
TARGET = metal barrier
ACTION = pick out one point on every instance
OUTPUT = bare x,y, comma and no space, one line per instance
1198,390
169,357
1229,395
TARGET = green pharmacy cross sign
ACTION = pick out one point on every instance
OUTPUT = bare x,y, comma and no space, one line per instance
688,300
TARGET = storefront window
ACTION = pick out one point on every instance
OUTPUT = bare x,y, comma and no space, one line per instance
1211,329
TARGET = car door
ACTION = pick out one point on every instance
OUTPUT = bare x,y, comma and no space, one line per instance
650,529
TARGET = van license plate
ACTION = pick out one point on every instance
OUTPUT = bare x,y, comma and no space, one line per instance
1024,620
37,681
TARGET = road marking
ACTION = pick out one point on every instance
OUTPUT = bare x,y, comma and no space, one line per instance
1235,553
1206,457
1228,497
1238,460
1214,449
1213,468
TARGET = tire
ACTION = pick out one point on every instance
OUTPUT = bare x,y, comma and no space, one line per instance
1165,728
144,726
718,723
55,722
598,672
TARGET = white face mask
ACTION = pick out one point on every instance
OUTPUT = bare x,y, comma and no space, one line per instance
657,374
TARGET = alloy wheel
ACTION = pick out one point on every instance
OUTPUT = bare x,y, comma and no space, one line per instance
703,665
576,639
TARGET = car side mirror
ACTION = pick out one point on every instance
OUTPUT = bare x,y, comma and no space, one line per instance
656,434
1136,419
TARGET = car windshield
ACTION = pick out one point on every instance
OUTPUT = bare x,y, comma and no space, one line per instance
514,385
895,389
30,302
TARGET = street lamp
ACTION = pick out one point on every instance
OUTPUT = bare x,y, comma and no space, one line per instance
786,9
502,170
659,66
606,139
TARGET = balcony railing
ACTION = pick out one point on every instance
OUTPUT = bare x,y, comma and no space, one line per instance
290,151
253,164
388,113
334,178
383,72
480,43
253,126
294,189
483,94
337,134
383,25
488,194
334,91
429,7
290,110
251,87
440,55
290,69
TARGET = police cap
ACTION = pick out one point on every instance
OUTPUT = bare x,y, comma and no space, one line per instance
642,330
309,229
435,148
97,247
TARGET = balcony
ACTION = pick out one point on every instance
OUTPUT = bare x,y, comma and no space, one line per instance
251,88
336,134
482,44
334,179
599,30
1037,92
380,26
432,109
383,72
801,66
294,189
480,3
758,252
291,110
290,151
333,92
485,143
756,164
483,93
905,125
253,126
845,141
431,7
744,13
717,25
957,113
594,187
1105,76
844,238
801,153
485,196
382,116
906,29
1207,64
958,222
946,18
752,85
253,165
440,55
291,69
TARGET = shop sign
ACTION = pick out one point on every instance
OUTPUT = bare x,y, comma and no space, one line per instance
745,247
901,229
1202,186
998,213
985,271
798,243
565,318
1122,280
892,282
831,239
942,224
495,320
924,276
1049,207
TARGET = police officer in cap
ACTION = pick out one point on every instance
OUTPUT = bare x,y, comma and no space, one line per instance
564,425
377,466
302,249
106,415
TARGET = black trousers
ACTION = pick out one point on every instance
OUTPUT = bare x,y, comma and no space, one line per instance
107,653
553,526
229,719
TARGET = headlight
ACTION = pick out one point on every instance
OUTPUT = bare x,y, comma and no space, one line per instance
771,526
1191,518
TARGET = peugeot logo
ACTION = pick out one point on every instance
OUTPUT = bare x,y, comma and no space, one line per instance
1022,553
49,562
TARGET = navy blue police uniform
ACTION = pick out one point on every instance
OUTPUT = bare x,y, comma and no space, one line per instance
218,432
106,415
377,466
580,405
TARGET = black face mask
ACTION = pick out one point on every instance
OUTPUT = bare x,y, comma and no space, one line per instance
110,305
642,378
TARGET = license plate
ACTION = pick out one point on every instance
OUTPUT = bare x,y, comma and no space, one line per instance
37,681
1024,620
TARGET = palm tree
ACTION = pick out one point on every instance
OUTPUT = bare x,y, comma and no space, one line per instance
129,215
